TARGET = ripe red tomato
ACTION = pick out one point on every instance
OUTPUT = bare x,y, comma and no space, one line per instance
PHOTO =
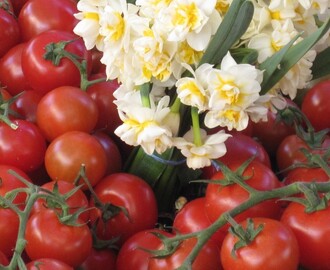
26,105
132,193
303,174
38,16
312,232
48,264
47,237
64,109
274,248
315,105
240,147
132,256
11,73
75,202
67,153
9,223
98,259
10,33
24,147
289,152
220,199
208,258
42,74
3,259
9,182
192,218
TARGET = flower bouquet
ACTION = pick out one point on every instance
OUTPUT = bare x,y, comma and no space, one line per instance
190,71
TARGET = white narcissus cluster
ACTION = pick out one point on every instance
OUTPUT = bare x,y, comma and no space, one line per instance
161,42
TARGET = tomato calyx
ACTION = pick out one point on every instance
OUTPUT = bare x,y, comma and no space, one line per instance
245,236
6,110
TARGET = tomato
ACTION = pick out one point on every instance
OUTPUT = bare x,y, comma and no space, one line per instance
67,153
3,259
302,174
132,193
9,182
66,109
9,223
42,74
48,264
192,218
132,256
315,105
312,231
24,147
240,147
38,16
98,259
112,151
289,152
47,237
26,105
75,202
11,73
10,33
208,258
102,94
17,6
220,199
274,248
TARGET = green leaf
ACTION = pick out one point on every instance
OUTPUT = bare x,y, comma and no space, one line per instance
291,57
233,26
321,64
244,55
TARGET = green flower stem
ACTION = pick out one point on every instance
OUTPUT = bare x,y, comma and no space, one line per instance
196,127
175,108
145,92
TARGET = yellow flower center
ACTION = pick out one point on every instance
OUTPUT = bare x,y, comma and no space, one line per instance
186,15
118,29
91,16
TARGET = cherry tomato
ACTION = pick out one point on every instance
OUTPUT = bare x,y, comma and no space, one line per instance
67,153
302,174
47,237
41,73
23,147
11,73
10,33
9,223
48,264
3,259
207,258
220,199
38,16
98,259
312,231
26,105
66,109
315,105
274,248
132,193
132,254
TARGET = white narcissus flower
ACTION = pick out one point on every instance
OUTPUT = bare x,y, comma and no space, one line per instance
199,156
144,126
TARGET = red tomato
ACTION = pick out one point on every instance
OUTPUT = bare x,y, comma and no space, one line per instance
132,256
289,152
274,248
306,175
102,94
75,202
220,199
98,259
313,234
192,218
47,237
9,223
132,193
208,258
67,153
9,182
38,16
9,34
3,259
315,105
11,73
17,5
48,264
42,74
24,147
66,109
112,152
240,147
26,105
